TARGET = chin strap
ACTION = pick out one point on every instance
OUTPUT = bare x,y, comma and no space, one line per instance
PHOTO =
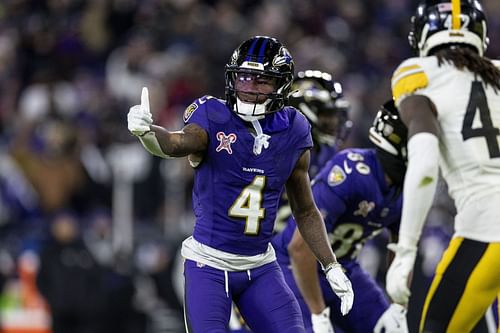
261,139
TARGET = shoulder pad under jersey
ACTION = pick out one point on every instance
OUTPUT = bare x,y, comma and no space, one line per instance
409,77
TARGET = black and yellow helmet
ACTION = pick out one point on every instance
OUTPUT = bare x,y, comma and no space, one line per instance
438,23
390,136
388,132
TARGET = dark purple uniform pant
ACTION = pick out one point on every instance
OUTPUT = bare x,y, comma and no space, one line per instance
263,298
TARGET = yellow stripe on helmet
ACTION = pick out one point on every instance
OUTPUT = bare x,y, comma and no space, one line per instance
455,14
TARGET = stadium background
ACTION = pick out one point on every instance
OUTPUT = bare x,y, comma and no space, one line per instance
70,170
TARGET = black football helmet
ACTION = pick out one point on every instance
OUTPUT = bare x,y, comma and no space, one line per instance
444,22
261,55
390,136
319,97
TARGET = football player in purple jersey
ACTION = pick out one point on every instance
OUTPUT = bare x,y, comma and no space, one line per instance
358,192
320,98
245,151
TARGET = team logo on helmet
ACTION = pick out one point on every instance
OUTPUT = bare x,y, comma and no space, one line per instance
234,57
225,141
282,58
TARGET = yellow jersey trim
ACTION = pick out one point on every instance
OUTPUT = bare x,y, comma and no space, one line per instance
404,69
407,84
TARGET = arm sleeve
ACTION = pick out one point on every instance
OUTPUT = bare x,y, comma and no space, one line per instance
419,186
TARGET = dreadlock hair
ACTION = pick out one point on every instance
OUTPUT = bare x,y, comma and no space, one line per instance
464,56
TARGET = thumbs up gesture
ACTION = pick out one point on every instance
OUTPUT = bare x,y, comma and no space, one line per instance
139,117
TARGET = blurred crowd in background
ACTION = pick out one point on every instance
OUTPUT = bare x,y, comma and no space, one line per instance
90,223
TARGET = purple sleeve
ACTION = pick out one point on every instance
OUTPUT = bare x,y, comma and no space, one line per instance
303,130
329,203
299,138
334,189
196,113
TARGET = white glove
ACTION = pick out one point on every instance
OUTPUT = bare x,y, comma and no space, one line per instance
393,320
397,276
321,322
341,286
139,117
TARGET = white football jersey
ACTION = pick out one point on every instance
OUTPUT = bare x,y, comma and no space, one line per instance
469,116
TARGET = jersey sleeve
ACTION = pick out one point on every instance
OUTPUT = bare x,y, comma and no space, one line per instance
334,187
196,113
330,204
408,78
302,130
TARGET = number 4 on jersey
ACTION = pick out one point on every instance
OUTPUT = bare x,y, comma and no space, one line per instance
477,101
249,205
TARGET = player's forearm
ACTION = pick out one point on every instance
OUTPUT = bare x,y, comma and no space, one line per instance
178,143
304,267
419,187
313,231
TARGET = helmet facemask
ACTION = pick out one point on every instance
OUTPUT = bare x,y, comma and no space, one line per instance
256,94
258,58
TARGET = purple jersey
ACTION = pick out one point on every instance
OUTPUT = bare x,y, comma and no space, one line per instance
236,193
355,201
319,157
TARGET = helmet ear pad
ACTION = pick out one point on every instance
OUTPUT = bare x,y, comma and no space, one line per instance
432,26
265,56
